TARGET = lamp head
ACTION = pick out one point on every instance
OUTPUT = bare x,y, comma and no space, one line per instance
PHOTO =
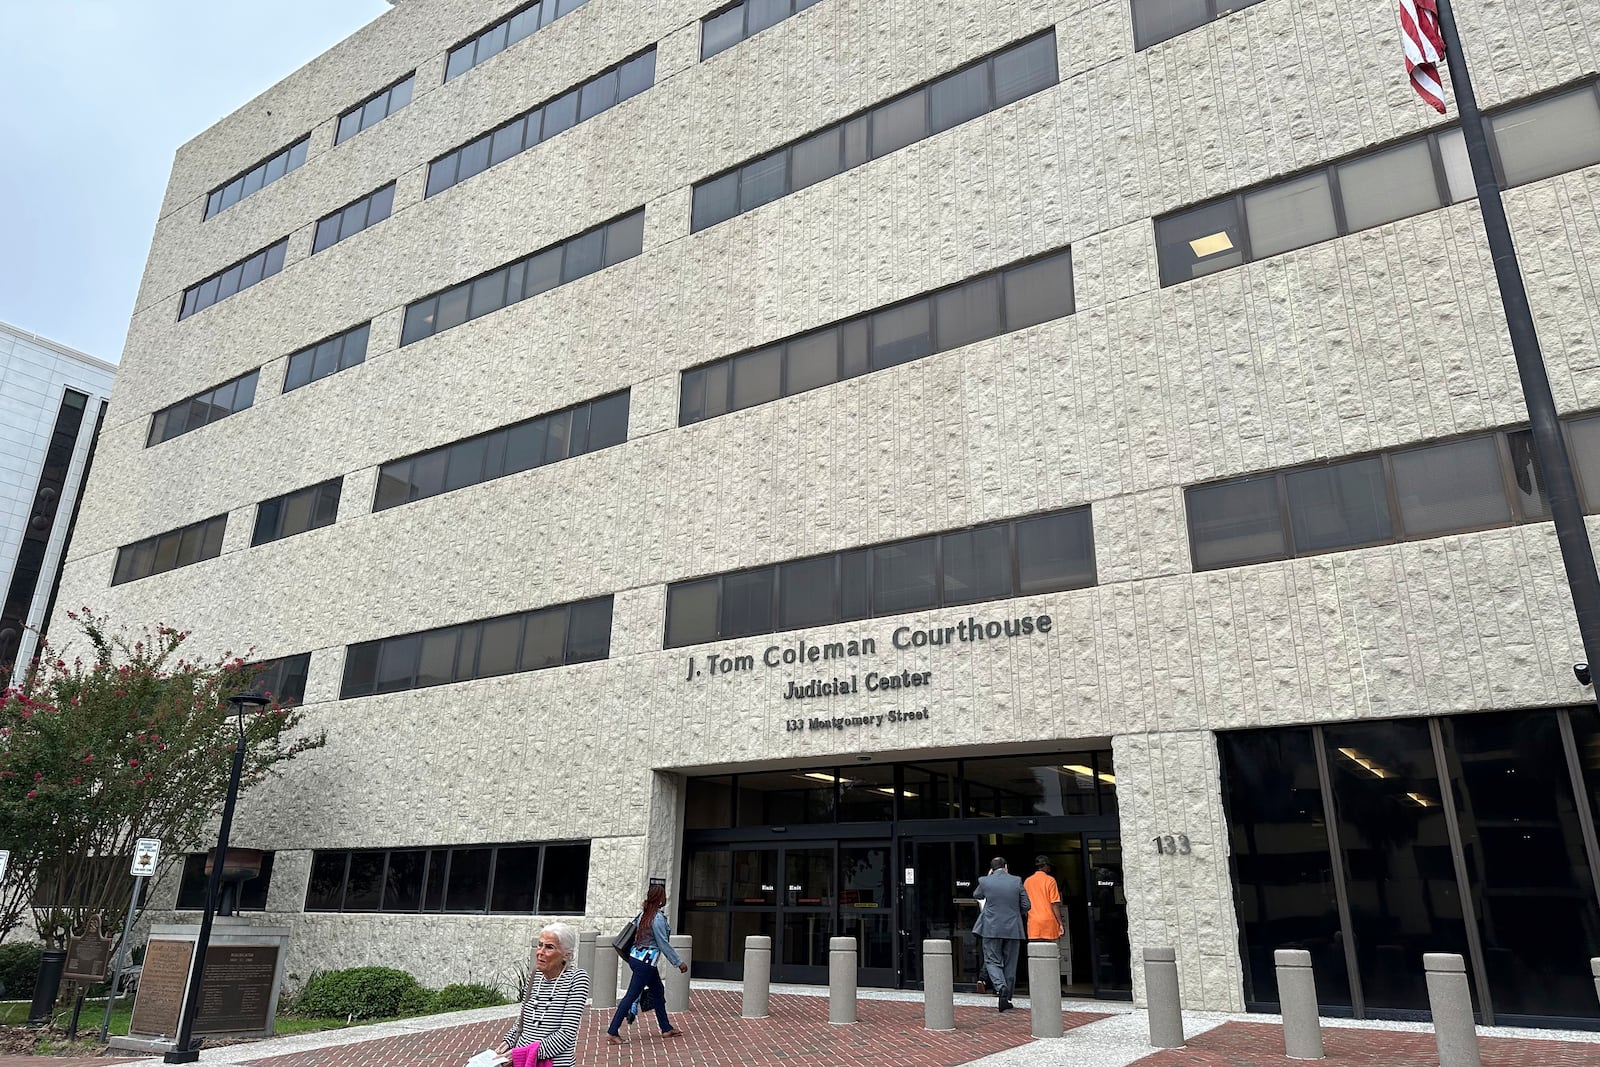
243,702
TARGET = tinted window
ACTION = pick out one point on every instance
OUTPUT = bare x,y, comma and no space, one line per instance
1339,506
1549,137
1236,522
692,613
1290,215
1199,242
904,577
1450,487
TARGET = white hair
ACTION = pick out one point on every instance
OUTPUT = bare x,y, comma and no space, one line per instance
566,936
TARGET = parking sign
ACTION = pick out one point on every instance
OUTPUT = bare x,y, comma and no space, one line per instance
145,854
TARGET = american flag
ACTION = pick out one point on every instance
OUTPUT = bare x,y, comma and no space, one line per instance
1419,22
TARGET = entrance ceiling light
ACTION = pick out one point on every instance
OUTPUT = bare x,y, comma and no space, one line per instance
1088,772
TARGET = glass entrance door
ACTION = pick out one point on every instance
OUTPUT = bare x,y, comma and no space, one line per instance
937,903
1108,918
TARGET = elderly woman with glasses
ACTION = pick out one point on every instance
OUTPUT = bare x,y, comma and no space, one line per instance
558,992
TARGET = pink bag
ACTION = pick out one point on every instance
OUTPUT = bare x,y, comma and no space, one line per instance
528,1056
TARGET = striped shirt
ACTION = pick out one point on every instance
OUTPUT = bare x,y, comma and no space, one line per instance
551,1015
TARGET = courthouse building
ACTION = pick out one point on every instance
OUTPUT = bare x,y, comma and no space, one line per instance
802,448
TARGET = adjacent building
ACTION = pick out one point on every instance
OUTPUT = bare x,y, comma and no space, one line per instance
52,400
800,450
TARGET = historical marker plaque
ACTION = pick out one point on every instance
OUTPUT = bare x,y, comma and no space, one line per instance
161,985
236,992
89,955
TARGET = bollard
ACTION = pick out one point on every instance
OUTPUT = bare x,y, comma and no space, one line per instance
1044,987
757,977
938,986
585,956
1297,997
678,983
603,981
841,980
1450,1001
1161,995
1594,969
52,962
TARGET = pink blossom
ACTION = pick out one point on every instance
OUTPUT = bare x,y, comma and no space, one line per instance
133,763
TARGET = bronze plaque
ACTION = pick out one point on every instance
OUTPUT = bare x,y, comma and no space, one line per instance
88,958
236,990
161,985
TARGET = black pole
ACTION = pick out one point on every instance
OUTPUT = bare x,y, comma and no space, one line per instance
1549,449
181,1051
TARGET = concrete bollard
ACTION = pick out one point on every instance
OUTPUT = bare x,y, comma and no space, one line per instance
1594,969
677,982
757,977
585,956
1044,987
1297,996
841,980
1450,1001
603,979
938,986
1161,994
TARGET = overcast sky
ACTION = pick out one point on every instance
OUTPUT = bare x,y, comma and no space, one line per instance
95,97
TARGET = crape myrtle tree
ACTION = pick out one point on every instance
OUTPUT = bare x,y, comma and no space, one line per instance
137,741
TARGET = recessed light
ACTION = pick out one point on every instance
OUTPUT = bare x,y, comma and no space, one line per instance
1211,245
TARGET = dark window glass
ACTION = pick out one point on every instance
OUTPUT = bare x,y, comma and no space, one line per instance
1158,20
427,474
442,173
544,640
436,662
1339,506
779,798
499,647
560,115
757,377
558,429
467,653
960,97
625,238
716,201
525,444
747,603
397,664
899,123
589,630
720,32
968,313
815,159
855,584
543,272
1236,522
901,334
1583,442
402,882
433,892
608,422
977,564
1282,866
806,593
516,880
904,577
325,890
1450,487
1039,291
597,95
257,177
583,255
487,294
563,889
1389,185
468,888
692,613
1200,241
1290,214
394,485
1548,137
763,181
812,361
759,14
638,74
364,883
460,62
1025,69
1530,491
1055,552
360,669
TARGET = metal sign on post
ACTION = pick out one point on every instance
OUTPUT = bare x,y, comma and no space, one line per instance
5,861
146,854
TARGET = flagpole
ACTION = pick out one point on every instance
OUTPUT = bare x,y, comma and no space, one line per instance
1549,449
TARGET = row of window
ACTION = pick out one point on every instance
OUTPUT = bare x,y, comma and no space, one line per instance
527,641
496,38
976,89
566,261
1475,483
991,304
257,177
171,550
518,879
353,218
375,109
1529,142
339,352
726,28
293,513
1042,554
586,427
242,275
600,93
1155,21
194,412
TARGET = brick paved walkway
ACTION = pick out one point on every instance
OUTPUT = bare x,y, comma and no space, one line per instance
889,1034
1237,1044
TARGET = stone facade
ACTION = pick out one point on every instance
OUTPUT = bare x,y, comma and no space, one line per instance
1384,338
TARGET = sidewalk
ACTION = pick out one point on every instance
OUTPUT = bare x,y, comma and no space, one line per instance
889,1034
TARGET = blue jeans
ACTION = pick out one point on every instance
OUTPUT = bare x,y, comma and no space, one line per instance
645,976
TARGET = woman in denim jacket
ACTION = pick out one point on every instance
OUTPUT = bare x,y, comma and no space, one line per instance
651,940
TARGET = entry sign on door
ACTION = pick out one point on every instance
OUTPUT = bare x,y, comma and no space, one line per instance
146,852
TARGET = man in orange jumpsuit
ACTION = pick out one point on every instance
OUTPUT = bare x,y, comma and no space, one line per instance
1044,898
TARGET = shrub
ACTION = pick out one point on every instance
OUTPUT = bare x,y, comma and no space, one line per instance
361,993
462,997
19,969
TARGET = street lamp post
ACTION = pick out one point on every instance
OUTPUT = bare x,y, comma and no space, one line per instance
182,1052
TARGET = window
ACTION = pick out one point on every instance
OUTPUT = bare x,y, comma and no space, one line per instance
1018,296
353,218
514,879
242,275
1529,142
374,109
574,431
1040,554
603,246
600,93
252,894
257,177
202,409
482,649
297,512
490,42
171,550
1474,483
337,353
726,28
976,89
284,680
1155,21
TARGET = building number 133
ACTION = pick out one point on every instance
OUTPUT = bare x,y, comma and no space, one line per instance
1172,844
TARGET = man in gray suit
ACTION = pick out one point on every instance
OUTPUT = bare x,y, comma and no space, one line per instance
1001,926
